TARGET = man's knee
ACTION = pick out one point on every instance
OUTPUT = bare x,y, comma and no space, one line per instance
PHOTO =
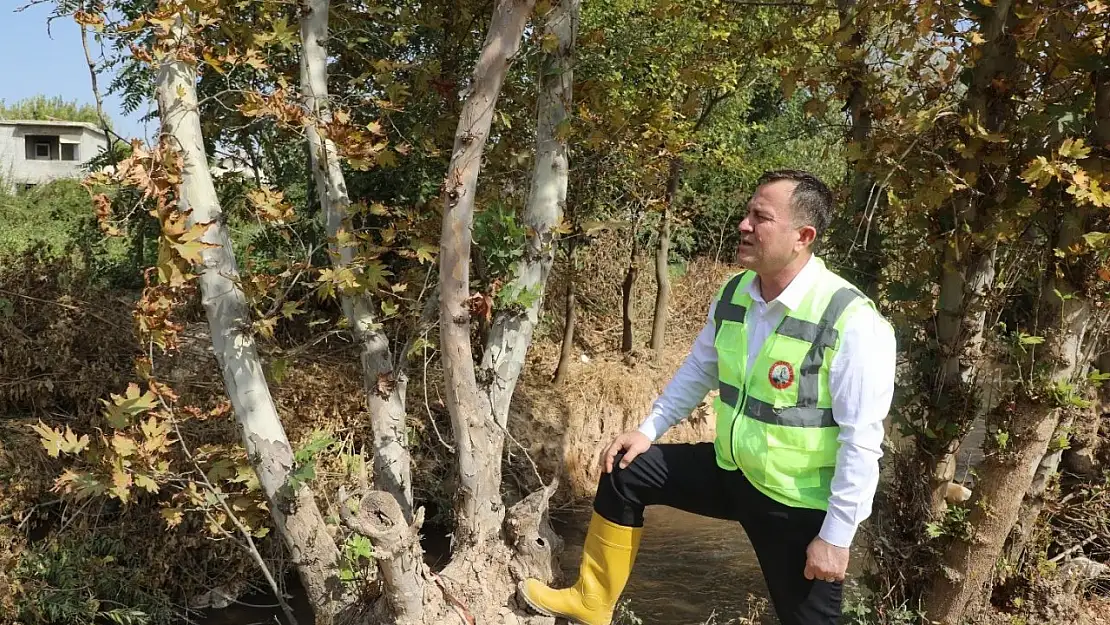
619,491
643,471
615,481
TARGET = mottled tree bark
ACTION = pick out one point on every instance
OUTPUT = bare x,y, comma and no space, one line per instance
293,508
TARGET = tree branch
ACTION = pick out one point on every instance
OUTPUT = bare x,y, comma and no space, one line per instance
783,3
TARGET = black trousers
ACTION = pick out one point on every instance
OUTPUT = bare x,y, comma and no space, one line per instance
686,476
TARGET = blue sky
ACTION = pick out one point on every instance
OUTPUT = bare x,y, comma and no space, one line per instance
52,64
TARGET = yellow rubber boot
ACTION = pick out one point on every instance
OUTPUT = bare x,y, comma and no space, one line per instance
607,557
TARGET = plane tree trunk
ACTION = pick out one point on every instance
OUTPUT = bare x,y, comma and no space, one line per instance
293,507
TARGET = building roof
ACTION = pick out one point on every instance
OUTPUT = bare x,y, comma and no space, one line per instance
51,122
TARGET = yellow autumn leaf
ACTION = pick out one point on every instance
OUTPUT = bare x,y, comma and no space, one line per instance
289,309
155,435
146,483
58,442
123,445
173,516
387,158
1039,172
1074,148
121,484
550,43
1080,179
191,252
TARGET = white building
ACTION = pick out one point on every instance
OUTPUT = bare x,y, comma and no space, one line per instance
36,151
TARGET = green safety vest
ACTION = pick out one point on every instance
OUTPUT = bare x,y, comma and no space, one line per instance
775,422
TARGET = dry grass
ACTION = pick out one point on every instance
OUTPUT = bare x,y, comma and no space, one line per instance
565,428
600,275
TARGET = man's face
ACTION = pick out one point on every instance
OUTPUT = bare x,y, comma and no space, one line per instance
770,237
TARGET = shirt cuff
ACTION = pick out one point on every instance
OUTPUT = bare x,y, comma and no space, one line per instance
837,532
654,426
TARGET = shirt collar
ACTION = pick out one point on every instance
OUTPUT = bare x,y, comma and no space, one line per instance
792,295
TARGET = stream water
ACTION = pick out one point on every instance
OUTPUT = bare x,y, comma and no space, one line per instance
690,569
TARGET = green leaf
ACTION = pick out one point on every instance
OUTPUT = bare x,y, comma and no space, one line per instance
425,252
1003,439
279,368
127,616
1097,376
374,275
418,346
358,546
302,475
1096,240
319,442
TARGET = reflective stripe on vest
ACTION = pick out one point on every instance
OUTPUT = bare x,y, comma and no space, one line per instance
820,335
726,310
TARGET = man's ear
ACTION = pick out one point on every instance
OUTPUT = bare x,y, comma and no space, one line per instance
807,235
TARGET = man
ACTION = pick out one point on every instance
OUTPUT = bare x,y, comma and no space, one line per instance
805,368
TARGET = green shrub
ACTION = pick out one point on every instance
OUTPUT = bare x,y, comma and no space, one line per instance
57,220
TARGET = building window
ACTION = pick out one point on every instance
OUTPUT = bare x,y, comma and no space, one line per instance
43,148
69,152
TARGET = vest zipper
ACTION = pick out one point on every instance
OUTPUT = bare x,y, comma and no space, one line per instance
747,381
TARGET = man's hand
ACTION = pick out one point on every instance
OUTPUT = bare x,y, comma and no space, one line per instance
631,443
826,562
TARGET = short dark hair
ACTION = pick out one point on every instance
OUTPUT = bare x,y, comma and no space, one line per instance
811,200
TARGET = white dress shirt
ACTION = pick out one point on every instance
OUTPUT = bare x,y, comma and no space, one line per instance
861,382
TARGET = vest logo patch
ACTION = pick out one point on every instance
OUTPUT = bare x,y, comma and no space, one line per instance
781,375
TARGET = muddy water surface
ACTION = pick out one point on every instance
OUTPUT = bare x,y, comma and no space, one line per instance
690,569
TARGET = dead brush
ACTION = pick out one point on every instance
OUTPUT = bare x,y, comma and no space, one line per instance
599,276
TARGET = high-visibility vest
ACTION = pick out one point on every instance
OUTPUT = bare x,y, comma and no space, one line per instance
775,422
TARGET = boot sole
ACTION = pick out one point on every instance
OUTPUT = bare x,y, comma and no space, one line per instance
524,595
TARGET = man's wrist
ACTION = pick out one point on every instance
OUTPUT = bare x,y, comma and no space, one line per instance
654,425
837,533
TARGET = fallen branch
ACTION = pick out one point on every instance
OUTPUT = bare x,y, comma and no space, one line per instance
1070,550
